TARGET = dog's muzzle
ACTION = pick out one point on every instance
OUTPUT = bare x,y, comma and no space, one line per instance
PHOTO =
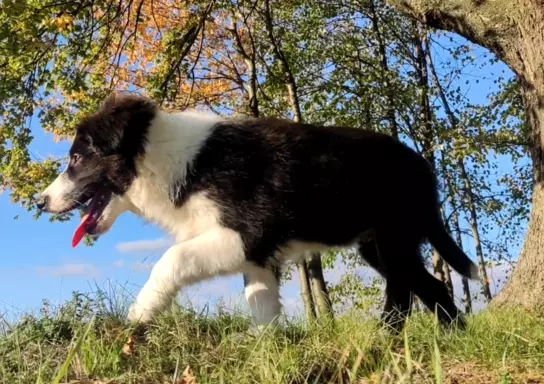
42,203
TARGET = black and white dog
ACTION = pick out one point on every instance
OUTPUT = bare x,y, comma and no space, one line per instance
245,195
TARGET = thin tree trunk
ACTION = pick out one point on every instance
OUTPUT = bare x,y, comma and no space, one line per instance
446,271
456,228
319,287
467,299
288,77
315,268
305,291
447,277
467,187
385,71
439,270
475,231
249,60
428,137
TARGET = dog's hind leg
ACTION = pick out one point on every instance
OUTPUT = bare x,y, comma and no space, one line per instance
261,288
398,295
398,302
435,296
219,251
398,259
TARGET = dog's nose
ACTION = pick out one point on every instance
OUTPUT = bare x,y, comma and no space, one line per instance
41,204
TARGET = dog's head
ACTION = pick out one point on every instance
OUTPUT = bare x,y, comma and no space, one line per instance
102,162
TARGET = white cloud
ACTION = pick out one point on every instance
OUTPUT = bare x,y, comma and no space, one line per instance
144,245
69,270
119,263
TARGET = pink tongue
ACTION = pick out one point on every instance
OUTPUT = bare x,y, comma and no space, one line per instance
80,231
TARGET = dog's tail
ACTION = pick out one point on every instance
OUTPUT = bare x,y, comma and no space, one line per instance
447,248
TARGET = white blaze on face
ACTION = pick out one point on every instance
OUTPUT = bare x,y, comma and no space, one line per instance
60,194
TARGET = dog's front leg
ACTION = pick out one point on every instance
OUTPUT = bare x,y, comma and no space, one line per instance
262,291
219,251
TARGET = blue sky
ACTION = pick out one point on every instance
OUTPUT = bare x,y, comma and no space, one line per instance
37,261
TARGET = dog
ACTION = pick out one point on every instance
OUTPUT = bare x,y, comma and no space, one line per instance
246,195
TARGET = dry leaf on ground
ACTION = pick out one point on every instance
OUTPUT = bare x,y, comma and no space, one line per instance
128,348
187,377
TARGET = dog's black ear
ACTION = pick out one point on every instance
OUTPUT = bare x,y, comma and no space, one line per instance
129,103
124,121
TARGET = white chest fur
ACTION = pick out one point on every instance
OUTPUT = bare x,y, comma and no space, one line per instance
173,142
196,216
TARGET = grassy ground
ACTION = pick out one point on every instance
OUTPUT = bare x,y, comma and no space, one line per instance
83,340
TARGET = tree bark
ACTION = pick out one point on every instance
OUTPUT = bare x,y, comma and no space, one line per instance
467,298
475,229
306,292
512,29
322,301
249,60
526,285
289,79
441,271
446,271
315,268
374,18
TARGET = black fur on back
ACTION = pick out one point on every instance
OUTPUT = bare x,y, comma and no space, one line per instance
278,181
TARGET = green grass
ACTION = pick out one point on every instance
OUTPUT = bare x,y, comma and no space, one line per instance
84,338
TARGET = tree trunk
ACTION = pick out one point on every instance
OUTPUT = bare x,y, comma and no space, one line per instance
526,285
315,268
322,301
249,59
447,278
441,271
446,271
467,187
512,29
305,291
475,230
467,299
394,127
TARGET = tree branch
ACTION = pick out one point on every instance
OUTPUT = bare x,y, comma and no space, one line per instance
186,43
484,22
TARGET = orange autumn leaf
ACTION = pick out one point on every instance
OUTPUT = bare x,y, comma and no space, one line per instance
187,377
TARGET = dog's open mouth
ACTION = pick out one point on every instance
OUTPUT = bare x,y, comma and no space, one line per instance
89,222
